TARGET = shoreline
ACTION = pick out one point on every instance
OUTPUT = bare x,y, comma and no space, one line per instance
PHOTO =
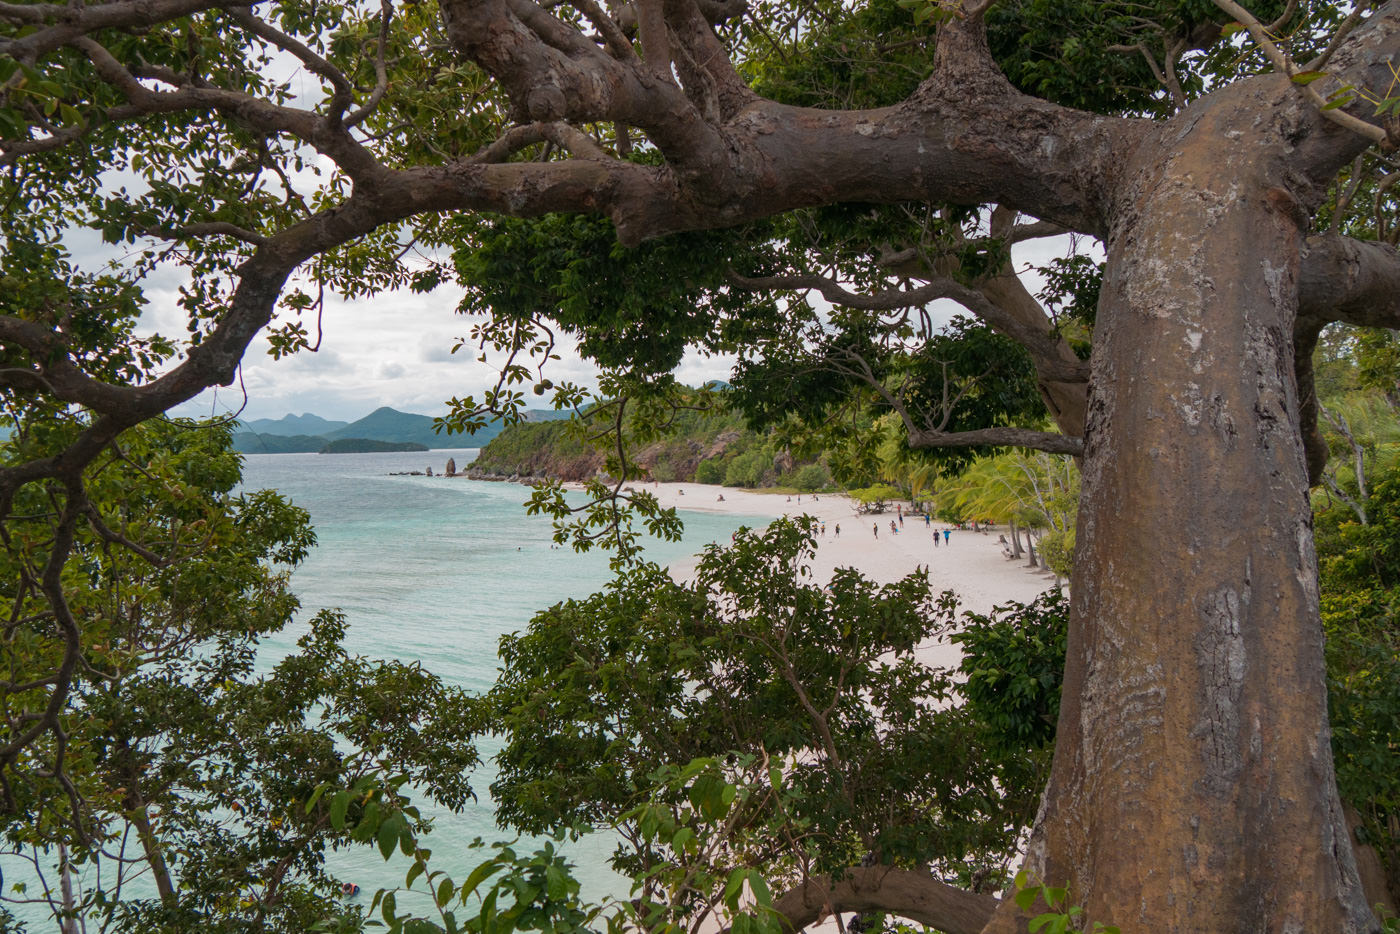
971,564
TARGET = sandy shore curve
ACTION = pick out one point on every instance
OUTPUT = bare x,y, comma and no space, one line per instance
971,564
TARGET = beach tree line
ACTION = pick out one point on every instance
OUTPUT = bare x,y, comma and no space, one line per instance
707,167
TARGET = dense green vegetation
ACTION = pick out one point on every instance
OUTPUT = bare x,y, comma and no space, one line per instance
191,768
707,442
600,694
1357,529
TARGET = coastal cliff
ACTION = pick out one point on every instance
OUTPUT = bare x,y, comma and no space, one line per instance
704,447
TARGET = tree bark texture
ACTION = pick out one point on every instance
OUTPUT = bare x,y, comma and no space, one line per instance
1193,788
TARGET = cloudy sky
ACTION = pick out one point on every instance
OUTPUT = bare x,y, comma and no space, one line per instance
392,350
395,350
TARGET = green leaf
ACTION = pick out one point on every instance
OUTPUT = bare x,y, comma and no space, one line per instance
386,910
556,883
479,875
388,836
339,804
315,796
1308,77
759,886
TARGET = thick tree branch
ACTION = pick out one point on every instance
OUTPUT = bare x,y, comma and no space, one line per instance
1349,280
1342,279
1008,437
907,894
651,30
614,39
69,21
560,134
945,143
704,63
1285,65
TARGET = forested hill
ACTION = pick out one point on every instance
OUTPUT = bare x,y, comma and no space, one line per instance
703,447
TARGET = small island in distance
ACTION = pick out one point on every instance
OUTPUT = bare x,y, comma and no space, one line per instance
370,446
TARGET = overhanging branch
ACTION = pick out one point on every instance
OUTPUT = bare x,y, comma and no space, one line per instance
913,895
999,437
1349,280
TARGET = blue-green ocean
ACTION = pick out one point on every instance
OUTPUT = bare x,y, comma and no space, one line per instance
436,570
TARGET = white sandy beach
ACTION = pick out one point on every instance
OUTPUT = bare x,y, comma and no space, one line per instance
971,564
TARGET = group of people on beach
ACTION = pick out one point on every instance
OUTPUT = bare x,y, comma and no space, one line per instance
897,525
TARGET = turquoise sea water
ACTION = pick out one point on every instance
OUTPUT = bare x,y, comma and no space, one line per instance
437,570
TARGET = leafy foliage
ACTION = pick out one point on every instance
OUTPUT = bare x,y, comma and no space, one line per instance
1013,665
190,764
1062,916
1361,616
963,378
752,659
637,308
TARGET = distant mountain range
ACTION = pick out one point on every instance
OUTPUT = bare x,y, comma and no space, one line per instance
287,425
308,433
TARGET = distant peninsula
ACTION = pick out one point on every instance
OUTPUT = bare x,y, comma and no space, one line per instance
311,434
711,445
370,446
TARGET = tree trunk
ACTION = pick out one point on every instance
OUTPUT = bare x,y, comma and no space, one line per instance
1192,790
1030,550
1016,551
155,856
69,923
138,813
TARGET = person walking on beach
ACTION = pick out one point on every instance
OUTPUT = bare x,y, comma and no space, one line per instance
947,534
875,527
935,538
894,529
